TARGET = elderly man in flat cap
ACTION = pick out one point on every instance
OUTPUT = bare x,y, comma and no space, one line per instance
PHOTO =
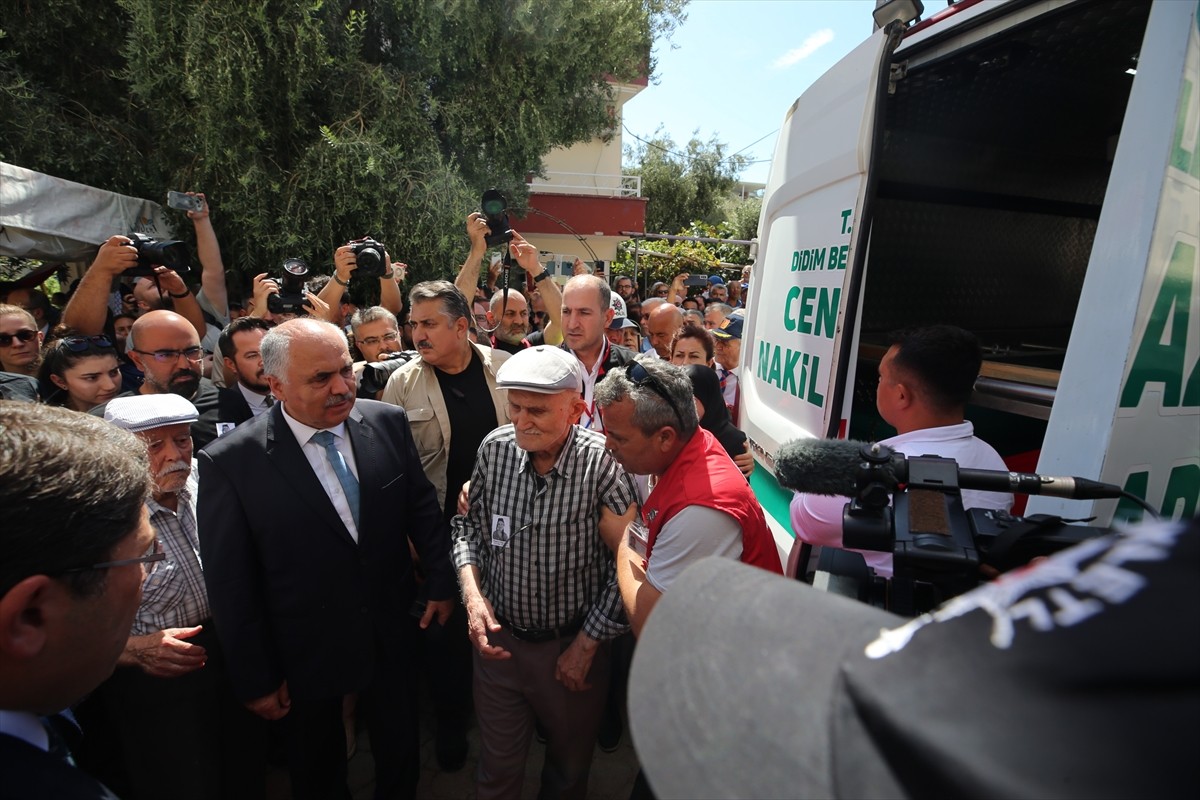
169,707
538,579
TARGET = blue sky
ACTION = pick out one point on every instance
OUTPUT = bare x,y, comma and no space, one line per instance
734,67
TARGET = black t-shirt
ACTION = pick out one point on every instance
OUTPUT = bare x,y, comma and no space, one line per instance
532,340
472,417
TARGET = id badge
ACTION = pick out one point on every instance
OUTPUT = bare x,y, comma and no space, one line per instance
639,538
501,530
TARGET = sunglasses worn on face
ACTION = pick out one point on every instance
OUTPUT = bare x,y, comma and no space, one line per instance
642,378
23,335
195,354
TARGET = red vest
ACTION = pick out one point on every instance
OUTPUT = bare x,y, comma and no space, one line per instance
704,475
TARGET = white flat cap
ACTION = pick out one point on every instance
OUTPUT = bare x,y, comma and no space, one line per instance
143,412
543,369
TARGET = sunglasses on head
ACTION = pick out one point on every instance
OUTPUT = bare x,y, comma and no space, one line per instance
78,344
640,377
23,335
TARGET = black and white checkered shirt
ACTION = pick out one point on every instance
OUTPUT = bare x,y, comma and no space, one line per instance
174,596
555,568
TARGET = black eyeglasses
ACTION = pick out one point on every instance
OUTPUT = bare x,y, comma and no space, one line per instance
166,356
78,344
642,378
538,315
148,561
23,335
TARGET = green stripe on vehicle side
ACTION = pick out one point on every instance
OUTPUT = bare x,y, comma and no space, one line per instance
776,500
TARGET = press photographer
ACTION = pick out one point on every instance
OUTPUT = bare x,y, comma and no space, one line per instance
925,380
912,509
357,262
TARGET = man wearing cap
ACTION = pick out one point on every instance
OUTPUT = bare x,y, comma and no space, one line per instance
306,516
616,330
547,505
718,292
172,659
586,314
166,348
727,347
701,504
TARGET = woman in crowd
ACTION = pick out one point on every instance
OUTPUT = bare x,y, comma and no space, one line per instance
714,416
692,345
79,372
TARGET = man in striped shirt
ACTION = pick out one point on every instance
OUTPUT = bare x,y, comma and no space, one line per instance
169,708
547,504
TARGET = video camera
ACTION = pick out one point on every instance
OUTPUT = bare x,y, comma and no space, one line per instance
912,508
152,253
292,297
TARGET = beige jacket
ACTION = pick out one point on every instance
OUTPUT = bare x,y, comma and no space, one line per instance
415,387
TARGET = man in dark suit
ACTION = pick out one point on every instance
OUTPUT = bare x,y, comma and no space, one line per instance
73,554
305,517
247,394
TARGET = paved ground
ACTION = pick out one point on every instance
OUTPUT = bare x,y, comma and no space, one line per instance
611,778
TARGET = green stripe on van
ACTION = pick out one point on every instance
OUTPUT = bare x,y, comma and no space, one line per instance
776,500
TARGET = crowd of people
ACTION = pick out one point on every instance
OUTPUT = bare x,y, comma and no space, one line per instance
476,489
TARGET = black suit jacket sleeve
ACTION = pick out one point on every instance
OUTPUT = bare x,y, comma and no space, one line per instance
231,567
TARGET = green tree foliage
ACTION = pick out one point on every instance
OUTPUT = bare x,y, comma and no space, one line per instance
683,185
694,258
309,123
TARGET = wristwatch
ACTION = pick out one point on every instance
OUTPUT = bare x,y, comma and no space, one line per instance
340,282
181,295
543,276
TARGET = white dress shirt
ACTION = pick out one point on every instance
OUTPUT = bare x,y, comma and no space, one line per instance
259,403
319,462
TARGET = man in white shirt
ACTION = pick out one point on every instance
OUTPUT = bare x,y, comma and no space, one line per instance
250,395
925,380
727,347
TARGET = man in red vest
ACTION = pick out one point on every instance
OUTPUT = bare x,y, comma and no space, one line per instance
700,505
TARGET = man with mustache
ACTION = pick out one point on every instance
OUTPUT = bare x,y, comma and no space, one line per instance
166,348
169,707
306,515
249,396
546,504
450,394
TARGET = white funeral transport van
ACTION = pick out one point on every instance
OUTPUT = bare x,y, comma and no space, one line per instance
1029,171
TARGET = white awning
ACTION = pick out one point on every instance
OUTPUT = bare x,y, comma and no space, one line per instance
52,219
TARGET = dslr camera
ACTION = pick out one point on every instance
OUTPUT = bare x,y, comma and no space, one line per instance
152,253
292,297
368,258
495,210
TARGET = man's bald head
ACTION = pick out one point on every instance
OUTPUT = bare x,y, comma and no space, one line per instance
665,321
166,348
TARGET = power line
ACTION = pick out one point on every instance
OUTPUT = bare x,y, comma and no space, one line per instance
688,158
